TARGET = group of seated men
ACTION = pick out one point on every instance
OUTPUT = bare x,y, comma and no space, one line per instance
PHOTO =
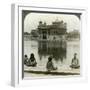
49,66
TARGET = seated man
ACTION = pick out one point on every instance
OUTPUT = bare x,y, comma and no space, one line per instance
75,62
25,59
50,65
32,60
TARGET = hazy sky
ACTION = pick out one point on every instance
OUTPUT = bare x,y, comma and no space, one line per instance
32,19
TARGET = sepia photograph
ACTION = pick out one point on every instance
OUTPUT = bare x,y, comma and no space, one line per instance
51,43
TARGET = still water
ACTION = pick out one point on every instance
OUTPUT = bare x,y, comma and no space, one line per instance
62,53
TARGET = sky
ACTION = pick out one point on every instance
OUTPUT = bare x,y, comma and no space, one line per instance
31,21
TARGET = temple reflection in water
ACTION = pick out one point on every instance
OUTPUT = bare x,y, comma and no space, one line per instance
52,48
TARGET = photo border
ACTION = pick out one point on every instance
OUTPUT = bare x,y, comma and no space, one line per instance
17,42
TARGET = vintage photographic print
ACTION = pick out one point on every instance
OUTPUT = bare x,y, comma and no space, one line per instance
51,43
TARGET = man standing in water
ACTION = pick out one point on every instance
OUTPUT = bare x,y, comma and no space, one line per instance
75,62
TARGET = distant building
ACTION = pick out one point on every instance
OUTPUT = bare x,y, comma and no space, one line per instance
26,33
55,31
75,34
34,33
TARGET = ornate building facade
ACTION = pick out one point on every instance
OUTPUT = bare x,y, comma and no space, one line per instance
55,31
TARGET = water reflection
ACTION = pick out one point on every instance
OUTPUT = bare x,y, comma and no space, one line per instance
62,53
55,49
